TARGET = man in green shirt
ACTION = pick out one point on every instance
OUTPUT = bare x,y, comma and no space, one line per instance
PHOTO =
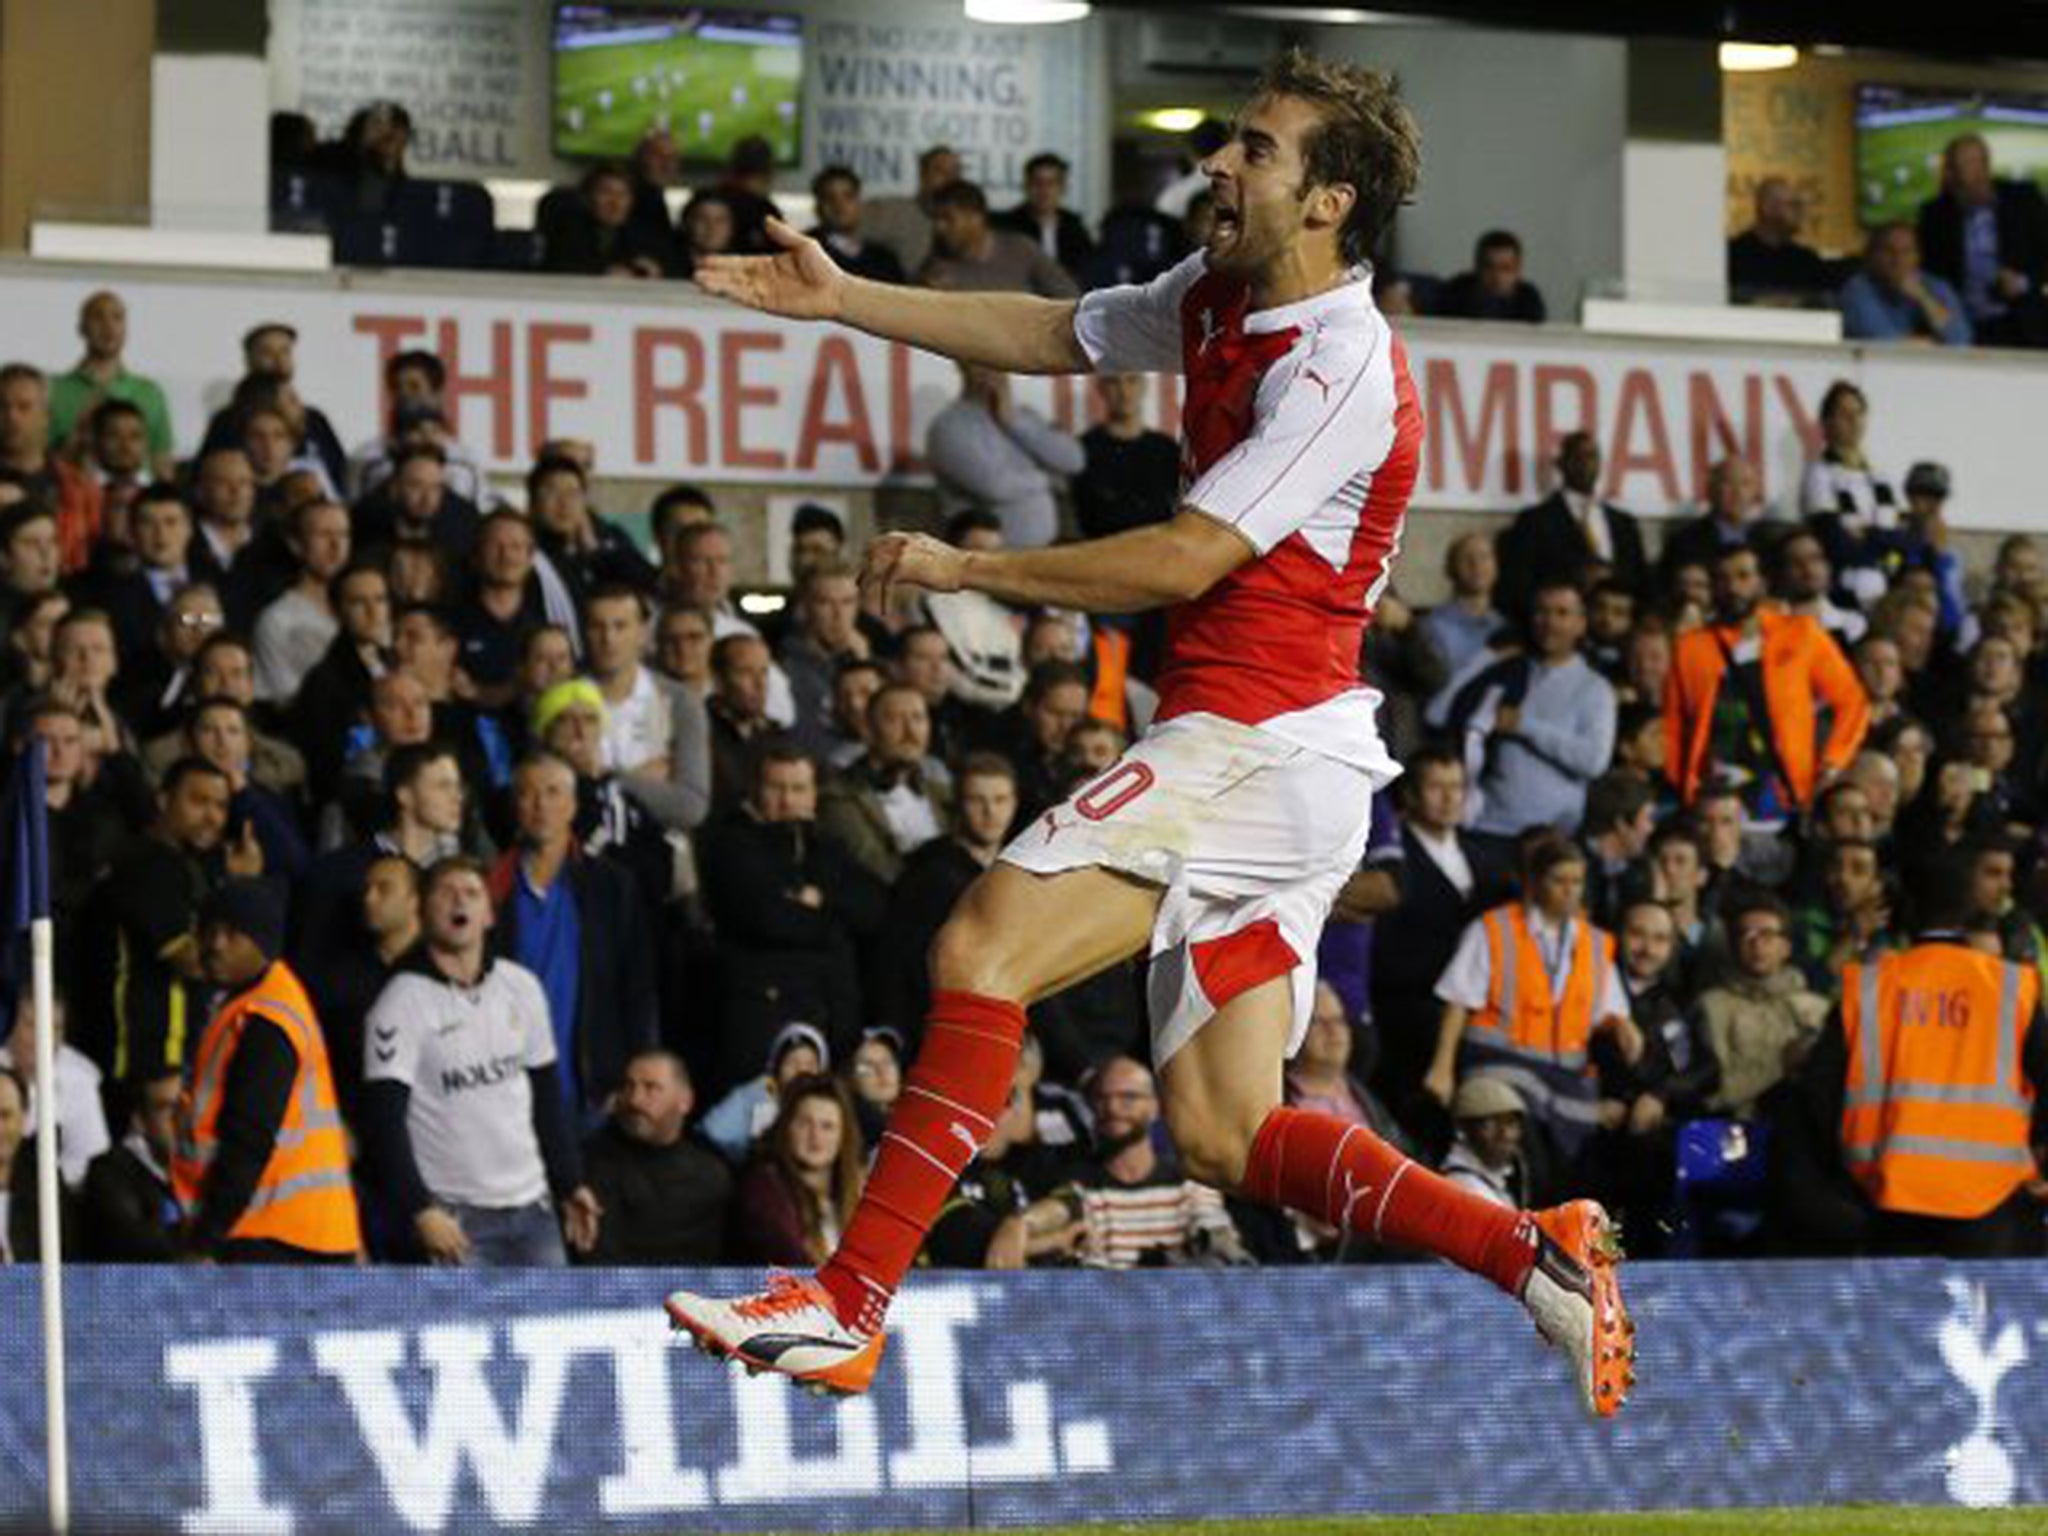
102,375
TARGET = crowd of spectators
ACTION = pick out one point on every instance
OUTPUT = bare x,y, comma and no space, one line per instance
613,900
616,221
1970,269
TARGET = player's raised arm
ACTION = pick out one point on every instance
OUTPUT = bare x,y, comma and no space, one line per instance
1016,332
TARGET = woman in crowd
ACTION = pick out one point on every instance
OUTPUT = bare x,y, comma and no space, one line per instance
794,1200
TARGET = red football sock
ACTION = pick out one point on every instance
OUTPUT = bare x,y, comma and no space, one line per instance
1354,1181
958,1086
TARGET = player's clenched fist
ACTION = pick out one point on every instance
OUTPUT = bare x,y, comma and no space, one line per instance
909,559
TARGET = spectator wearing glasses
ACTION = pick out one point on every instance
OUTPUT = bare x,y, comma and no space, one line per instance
1763,1019
590,551
158,688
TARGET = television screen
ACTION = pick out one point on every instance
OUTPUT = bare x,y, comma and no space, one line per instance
1901,132
711,77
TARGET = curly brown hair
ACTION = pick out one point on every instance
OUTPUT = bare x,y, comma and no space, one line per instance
1367,139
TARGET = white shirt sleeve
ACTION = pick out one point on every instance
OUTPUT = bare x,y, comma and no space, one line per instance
391,1038
1323,419
532,1005
1468,977
1136,327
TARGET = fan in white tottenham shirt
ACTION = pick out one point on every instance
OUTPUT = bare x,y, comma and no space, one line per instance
463,1052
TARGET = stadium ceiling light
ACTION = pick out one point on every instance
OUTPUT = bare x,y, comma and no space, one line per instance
1173,119
1754,58
1025,13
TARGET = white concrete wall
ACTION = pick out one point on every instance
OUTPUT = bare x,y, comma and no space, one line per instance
1672,245
1520,130
209,141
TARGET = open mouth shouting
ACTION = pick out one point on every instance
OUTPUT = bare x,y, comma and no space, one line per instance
1229,225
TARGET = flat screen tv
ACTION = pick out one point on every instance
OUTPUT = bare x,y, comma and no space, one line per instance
1902,130
711,77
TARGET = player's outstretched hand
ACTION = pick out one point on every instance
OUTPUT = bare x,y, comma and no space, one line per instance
908,559
799,280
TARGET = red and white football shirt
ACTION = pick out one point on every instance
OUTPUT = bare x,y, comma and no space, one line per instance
1300,430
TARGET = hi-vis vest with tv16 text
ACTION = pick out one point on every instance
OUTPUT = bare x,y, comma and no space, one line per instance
1935,1116
1521,1015
304,1198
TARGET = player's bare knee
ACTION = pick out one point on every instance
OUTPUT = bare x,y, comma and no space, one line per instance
1213,1147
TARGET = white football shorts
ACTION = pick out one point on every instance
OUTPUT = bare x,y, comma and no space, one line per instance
1249,837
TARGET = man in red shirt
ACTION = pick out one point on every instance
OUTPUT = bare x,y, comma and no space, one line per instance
1221,839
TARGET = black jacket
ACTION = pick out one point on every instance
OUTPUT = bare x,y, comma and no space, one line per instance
934,878
780,960
1546,543
1696,541
2022,215
662,1205
128,1214
1073,245
874,260
573,241
1461,298
1412,944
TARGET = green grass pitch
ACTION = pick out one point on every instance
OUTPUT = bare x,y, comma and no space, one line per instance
1852,1521
607,97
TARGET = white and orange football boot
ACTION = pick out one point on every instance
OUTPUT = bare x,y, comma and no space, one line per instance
1574,1296
790,1328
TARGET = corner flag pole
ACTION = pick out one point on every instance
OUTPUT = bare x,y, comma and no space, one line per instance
29,897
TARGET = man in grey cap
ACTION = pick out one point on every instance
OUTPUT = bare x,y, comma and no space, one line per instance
270,350
1487,1156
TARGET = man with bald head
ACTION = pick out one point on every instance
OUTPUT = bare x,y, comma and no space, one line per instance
665,1197
102,374
1766,262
